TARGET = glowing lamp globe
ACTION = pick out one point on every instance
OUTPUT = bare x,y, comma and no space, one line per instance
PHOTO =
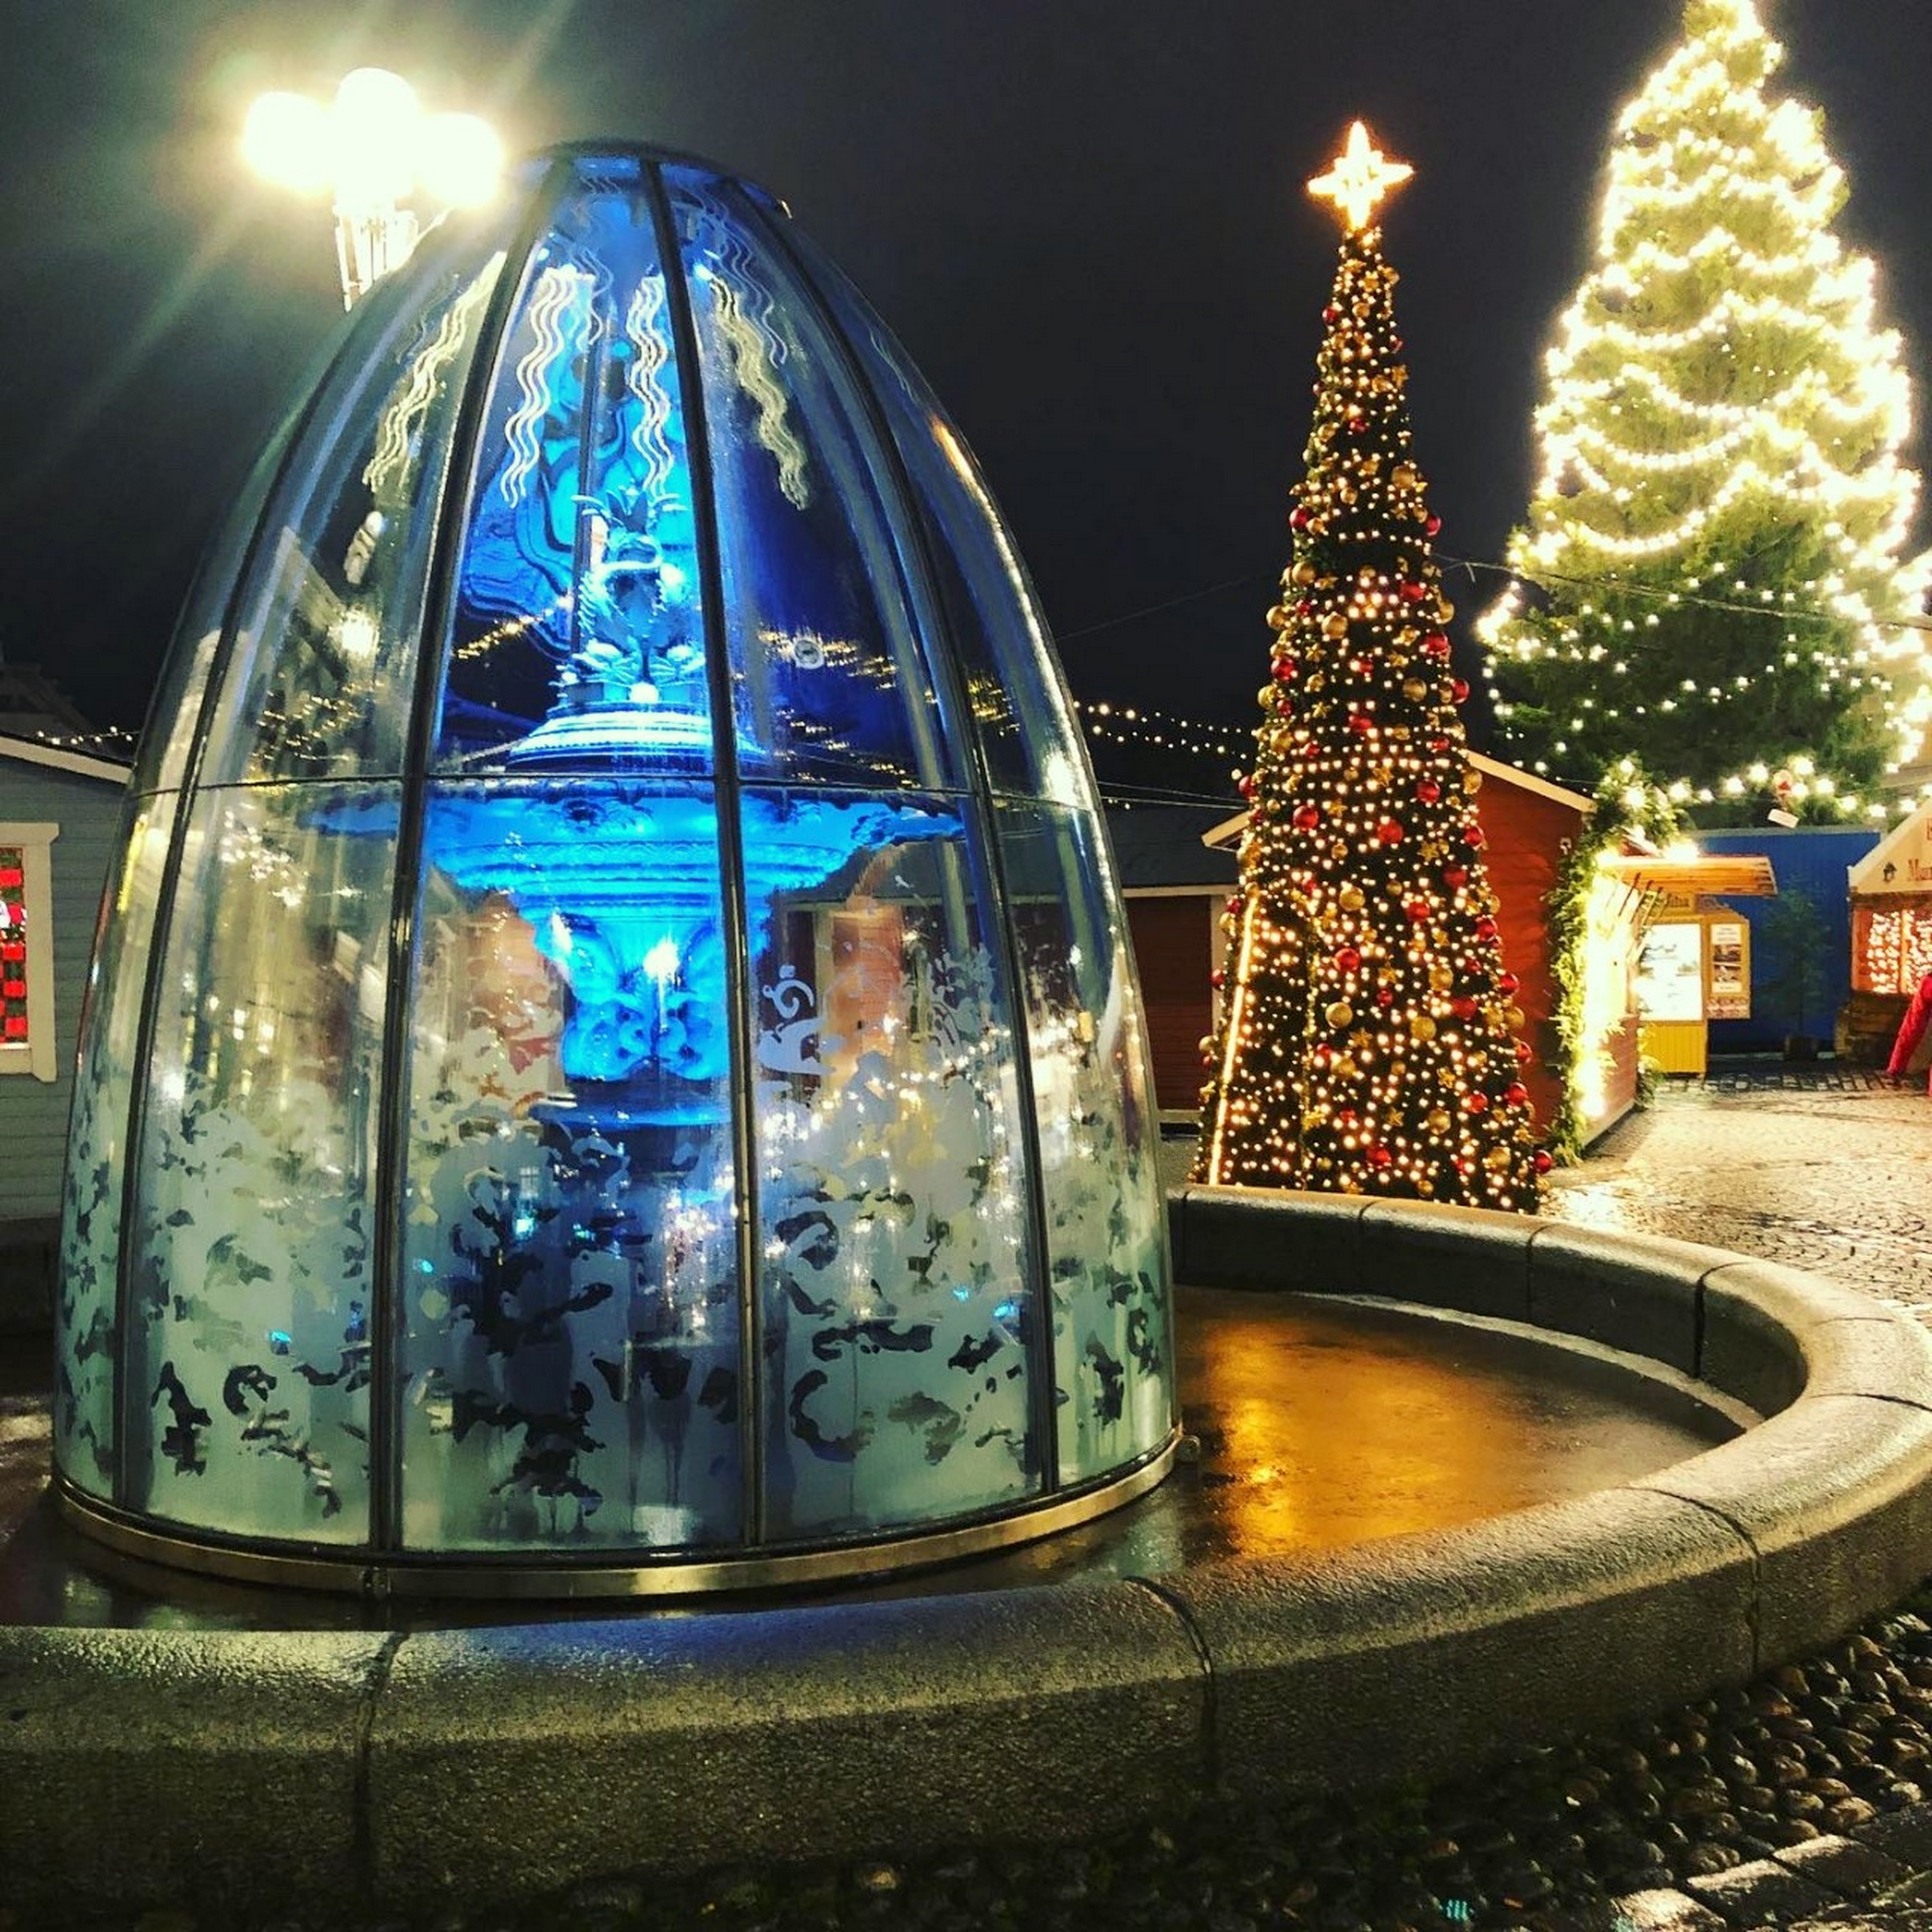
613,1063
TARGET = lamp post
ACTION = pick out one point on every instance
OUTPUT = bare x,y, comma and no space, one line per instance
372,148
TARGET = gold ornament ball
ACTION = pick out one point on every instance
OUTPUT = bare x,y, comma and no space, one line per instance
1339,1014
1304,575
1497,1158
1438,1120
1335,626
1350,899
1414,690
1421,1027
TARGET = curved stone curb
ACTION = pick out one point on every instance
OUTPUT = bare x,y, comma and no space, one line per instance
243,1771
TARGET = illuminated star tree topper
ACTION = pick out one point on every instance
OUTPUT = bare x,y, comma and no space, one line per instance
1364,1042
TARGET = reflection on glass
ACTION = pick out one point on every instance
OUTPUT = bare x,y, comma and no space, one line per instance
1099,1149
330,618
892,1186
577,640
1020,713
252,1304
831,681
570,1347
97,1155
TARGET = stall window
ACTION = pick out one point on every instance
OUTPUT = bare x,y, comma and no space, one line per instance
26,951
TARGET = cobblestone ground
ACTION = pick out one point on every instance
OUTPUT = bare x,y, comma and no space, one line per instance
1823,1170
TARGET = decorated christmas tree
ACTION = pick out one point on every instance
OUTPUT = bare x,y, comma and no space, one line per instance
1716,537
1365,1040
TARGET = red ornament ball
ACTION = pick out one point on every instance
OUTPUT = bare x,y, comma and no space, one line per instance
1438,744
1463,1006
1542,1160
1217,979
1434,525
1435,645
1485,928
1525,1053
1472,835
1477,1103
1507,983
1348,959
1285,669
1417,909
1428,790
1298,517
1411,593
1306,817
1459,689
1381,1159
1517,1094
1361,722
1331,315
1305,607
1384,996
1455,876
1389,833
1356,424
1234,902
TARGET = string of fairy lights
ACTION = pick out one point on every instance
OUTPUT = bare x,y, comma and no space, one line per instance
1107,721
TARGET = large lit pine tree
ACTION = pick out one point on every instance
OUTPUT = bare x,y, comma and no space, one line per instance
1364,1043
1718,530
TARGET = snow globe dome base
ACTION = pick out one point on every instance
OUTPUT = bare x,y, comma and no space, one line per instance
612,1065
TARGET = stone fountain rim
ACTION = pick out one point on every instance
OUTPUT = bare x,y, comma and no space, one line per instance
388,1770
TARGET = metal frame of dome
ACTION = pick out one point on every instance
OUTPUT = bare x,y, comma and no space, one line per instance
382,1563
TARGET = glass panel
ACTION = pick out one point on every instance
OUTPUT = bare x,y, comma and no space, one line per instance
830,680
892,1182
577,641
250,1356
1032,745
570,1325
1099,1144
175,710
329,623
96,1155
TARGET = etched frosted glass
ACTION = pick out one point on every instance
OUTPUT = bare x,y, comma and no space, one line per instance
1099,1138
830,682
329,618
570,1299
252,1291
96,1155
891,1187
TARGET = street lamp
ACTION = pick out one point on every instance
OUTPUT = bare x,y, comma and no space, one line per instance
374,148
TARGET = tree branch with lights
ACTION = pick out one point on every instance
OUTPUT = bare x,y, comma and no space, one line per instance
1715,544
1364,1044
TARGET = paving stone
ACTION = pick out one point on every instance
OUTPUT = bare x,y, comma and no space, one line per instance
1905,1835
1667,1910
1842,1865
1762,1893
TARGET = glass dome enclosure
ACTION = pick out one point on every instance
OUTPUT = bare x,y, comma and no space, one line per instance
613,1063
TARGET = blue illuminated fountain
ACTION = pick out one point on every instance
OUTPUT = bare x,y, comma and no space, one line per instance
614,1065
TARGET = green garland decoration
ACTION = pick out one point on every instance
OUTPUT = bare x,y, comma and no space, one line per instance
1626,802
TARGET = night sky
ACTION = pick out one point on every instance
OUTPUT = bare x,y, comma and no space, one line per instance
1085,218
